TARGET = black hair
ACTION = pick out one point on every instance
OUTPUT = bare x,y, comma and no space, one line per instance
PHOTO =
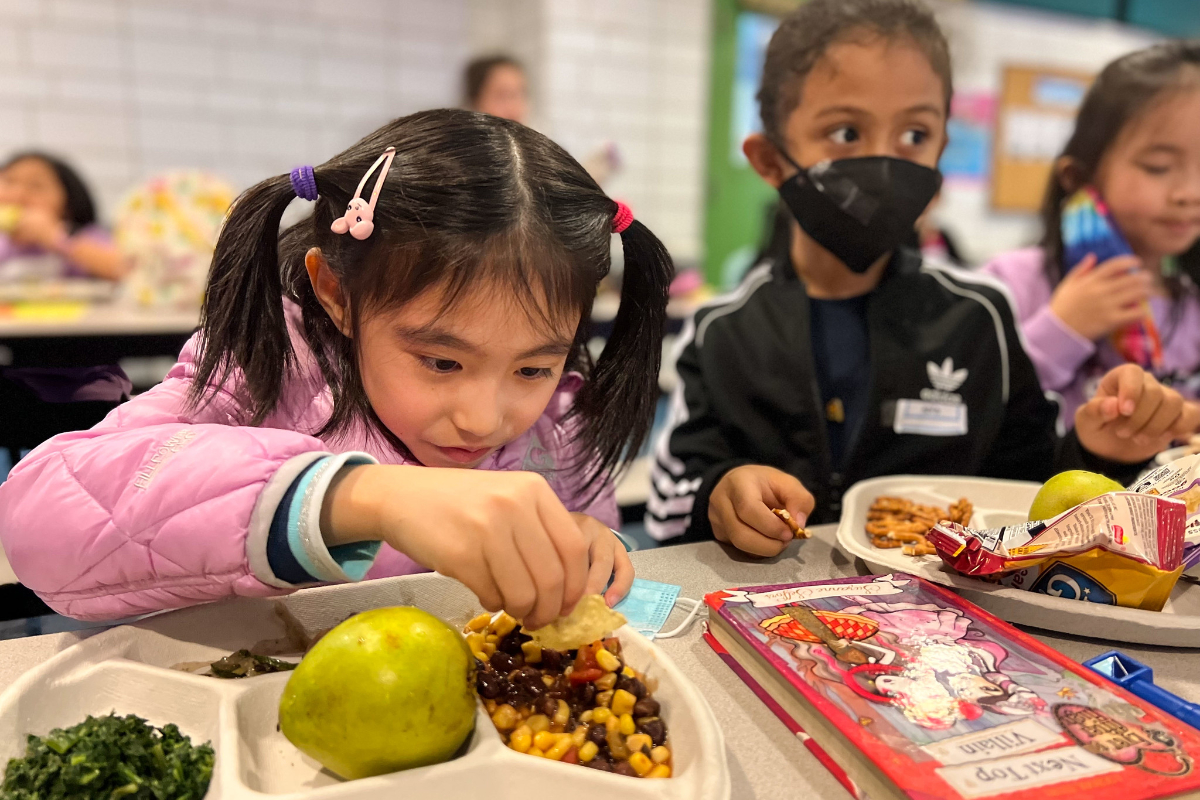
470,198
805,34
79,210
476,75
1123,90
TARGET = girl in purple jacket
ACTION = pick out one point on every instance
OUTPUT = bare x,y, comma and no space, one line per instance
399,382
1137,144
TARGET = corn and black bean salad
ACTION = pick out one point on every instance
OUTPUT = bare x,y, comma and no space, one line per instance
582,706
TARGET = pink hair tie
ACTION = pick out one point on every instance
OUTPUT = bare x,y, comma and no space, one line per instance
622,219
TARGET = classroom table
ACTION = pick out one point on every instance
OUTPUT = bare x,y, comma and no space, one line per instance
84,335
765,760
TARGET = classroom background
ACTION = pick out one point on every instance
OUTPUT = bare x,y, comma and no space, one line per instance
168,108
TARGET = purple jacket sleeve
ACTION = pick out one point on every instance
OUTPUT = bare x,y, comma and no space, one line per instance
131,516
1057,352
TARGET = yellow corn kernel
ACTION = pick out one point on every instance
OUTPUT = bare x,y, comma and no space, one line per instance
475,643
612,723
504,624
640,763
580,735
521,738
588,752
563,714
603,699
490,705
533,751
628,672
607,661
586,716
544,740
532,652
660,755
560,749
505,718
660,771
489,650
637,741
623,702
548,681
491,638
538,722
616,745
479,623
600,715
606,681
626,725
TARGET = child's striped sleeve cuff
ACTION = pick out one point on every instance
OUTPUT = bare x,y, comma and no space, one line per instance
285,545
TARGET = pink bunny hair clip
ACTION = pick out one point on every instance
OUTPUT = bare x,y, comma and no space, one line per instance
359,219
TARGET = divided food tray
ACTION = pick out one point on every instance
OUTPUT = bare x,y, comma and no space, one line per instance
127,670
997,503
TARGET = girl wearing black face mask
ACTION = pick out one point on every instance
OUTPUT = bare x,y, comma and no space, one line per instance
842,356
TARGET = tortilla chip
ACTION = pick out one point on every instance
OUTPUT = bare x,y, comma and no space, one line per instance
592,619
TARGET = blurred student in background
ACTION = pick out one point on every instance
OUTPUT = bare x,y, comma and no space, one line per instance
48,223
1137,146
496,85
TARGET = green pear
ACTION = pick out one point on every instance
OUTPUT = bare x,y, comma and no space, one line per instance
386,690
1067,490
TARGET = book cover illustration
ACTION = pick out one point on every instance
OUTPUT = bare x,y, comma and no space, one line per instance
948,701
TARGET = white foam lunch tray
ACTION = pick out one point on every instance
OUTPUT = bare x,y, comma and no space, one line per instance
127,670
997,503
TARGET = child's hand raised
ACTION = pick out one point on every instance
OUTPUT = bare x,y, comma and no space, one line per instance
1132,416
505,535
739,508
1096,300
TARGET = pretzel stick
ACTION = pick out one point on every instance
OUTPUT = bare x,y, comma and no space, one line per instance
797,531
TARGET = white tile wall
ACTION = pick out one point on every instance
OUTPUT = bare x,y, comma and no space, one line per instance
248,88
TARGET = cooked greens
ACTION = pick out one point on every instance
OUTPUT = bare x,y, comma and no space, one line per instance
110,758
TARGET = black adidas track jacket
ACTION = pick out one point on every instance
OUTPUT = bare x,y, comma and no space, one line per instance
939,337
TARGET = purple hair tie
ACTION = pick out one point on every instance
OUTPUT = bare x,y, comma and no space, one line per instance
304,183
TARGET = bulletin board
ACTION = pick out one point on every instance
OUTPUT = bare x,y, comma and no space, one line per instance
1034,120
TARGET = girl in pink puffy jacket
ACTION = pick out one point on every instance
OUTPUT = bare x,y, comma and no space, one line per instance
398,383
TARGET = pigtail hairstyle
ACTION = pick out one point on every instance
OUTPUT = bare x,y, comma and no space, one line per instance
470,203
243,320
625,379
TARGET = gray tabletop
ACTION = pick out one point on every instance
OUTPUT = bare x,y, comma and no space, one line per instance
765,760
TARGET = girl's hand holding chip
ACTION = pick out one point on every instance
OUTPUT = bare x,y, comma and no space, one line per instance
1132,416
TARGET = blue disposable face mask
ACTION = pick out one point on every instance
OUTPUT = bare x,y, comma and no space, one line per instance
649,604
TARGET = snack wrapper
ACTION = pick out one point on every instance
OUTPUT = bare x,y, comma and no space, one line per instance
1122,548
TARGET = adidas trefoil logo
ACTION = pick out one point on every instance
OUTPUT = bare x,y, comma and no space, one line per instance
945,378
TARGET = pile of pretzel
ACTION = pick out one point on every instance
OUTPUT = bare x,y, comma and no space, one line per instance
896,522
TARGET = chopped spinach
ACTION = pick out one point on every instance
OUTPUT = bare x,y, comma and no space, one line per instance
110,758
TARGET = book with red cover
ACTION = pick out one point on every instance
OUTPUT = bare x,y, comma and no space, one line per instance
909,691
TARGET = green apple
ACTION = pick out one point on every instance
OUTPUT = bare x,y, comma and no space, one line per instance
386,690
1067,490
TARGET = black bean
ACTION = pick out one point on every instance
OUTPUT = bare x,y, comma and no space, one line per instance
489,684
633,686
551,659
597,735
655,728
623,768
548,706
502,661
600,764
511,643
585,694
560,689
646,707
